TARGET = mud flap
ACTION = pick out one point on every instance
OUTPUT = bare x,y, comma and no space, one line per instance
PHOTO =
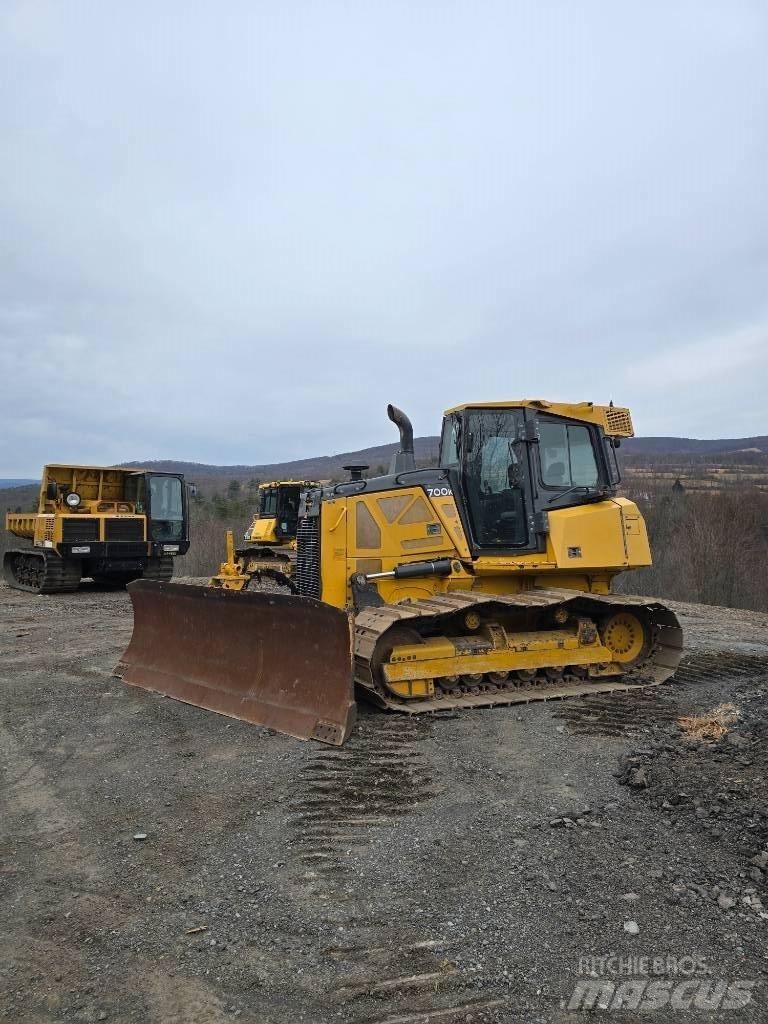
275,660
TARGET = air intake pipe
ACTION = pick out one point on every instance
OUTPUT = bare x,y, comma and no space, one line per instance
404,459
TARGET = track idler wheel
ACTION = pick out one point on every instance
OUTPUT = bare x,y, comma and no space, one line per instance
627,636
399,636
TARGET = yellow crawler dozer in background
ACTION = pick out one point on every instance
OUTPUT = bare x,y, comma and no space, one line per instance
487,580
270,540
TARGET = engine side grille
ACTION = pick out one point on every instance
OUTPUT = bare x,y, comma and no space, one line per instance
75,529
50,524
124,529
307,578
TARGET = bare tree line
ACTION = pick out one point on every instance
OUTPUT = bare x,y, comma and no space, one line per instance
707,548
207,548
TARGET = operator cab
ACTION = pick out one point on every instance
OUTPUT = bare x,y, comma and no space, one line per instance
162,497
509,465
281,503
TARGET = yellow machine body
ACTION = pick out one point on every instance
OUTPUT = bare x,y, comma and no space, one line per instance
614,420
373,533
102,492
274,521
358,537
96,521
486,580
494,573
269,541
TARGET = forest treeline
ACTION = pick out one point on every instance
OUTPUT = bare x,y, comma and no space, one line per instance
709,547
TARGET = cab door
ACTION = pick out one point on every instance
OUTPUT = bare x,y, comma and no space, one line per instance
166,509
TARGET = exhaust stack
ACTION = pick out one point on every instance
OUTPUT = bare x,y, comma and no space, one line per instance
404,459
356,470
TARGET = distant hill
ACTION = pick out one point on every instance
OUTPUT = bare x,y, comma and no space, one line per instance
6,482
324,467
321,467
693,446
23,499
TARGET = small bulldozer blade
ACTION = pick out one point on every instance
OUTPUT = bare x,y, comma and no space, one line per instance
271,659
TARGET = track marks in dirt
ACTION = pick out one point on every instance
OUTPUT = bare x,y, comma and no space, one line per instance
388,976
385,972
720,666
625,713
618,713
345,794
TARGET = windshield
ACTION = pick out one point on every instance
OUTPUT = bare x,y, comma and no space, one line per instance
166,508
288,511
494,477
268,507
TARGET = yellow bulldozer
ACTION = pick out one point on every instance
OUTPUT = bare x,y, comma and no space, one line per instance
109,523
270,540
484,581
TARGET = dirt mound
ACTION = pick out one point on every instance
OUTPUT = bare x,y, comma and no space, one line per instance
710,773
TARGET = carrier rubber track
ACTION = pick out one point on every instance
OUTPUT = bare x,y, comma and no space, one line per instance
40,572
160,569
372,625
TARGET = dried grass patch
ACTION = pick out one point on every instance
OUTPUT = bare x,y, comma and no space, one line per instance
712,725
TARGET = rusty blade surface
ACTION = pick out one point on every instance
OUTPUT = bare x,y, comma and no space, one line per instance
274,660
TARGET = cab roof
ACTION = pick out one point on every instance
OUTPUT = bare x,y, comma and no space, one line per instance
288,483
615,420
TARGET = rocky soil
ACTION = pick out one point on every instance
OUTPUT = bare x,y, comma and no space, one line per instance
162,864
717,790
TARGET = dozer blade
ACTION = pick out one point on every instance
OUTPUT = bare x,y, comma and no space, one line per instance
271,659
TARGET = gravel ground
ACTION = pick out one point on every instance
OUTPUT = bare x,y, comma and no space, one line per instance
449,869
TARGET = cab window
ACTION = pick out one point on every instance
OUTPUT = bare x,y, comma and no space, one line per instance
566,454
449,443
614,472
269,503
135,491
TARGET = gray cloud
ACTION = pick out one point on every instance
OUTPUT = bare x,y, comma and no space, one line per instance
233,232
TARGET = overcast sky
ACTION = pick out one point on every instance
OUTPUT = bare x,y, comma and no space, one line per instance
233,232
